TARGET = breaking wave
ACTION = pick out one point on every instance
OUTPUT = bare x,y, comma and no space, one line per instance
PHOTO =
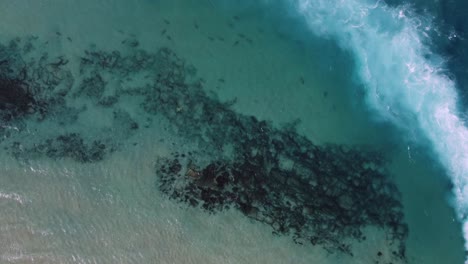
403,80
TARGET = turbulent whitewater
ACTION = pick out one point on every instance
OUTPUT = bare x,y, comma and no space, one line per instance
403,79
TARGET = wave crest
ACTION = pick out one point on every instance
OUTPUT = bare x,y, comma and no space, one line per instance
404,80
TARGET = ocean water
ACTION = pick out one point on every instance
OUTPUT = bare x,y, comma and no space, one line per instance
302,131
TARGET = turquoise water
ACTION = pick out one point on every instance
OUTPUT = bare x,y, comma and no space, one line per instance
212,132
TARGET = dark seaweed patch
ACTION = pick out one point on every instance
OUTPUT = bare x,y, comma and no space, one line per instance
66,146
15,100
92,86
319,195
322,195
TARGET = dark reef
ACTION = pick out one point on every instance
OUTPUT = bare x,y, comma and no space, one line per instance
323,195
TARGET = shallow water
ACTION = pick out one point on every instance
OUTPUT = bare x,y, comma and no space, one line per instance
62,208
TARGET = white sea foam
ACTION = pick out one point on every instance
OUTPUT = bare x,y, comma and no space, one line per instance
402,78
12,197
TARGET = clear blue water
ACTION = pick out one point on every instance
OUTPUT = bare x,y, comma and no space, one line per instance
302,131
